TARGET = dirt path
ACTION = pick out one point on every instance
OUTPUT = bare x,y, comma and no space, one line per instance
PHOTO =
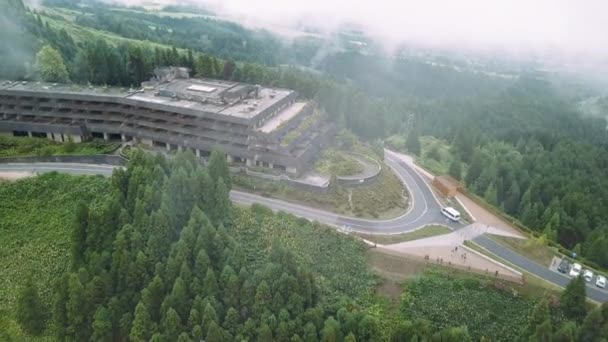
13,176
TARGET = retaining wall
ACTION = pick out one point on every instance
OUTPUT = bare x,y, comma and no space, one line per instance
81,159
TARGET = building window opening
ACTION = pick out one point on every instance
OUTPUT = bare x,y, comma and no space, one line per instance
97,135
114,136
20,134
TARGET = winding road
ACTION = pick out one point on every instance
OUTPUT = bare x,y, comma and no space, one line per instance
424,209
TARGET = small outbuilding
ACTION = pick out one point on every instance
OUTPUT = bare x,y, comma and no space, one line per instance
447,185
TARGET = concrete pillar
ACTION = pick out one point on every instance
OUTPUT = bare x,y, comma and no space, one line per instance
168,147
250,162
29,134
106,137
49,136
198,153
229,159
123,137
270,165
291,169
76,138
179,148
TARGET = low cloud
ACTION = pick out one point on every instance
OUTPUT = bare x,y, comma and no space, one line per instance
576,29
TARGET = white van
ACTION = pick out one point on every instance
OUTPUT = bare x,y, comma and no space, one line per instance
451,213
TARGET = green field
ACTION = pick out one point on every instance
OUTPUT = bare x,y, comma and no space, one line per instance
339,163
35,220
487,310
24,146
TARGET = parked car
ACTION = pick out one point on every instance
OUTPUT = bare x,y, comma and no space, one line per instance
600,281
588,275
564,266
575,271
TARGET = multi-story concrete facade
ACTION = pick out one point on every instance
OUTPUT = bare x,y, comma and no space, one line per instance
253,125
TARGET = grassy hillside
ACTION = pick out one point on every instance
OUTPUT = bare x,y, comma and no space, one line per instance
35,219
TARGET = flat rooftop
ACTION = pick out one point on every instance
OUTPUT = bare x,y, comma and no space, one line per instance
197,94
284,116
46,87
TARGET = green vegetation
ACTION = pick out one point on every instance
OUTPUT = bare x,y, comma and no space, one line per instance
50,65
119,277
436,155
487,311
384,198
35,214
302,127
425,232
534,248
24,146
337,261
339,163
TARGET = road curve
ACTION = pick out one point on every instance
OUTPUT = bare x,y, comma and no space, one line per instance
424,209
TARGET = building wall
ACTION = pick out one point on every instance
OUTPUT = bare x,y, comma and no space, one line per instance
77,117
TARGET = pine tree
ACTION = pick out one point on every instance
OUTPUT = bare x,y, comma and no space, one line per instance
152,297
172,325
209,316
142,324
223,206
102,325
79,235
263,297
30,311
573,299
214,333
210,283
264,333
218,168
332,331
75,309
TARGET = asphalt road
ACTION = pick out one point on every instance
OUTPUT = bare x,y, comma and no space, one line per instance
424,210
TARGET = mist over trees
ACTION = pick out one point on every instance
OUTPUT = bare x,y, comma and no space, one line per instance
520,142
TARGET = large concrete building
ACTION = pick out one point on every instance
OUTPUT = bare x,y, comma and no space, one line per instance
253,125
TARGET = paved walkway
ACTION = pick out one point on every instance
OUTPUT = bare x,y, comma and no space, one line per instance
449,250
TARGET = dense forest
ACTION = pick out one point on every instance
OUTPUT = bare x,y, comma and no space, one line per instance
163,256
160,254
520,142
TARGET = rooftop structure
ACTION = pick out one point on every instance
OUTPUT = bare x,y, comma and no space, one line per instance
249,122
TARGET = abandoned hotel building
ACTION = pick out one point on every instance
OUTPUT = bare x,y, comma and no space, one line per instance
253,125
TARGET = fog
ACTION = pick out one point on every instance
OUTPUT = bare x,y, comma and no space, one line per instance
570,28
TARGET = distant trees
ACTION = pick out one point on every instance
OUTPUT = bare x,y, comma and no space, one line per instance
50,65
